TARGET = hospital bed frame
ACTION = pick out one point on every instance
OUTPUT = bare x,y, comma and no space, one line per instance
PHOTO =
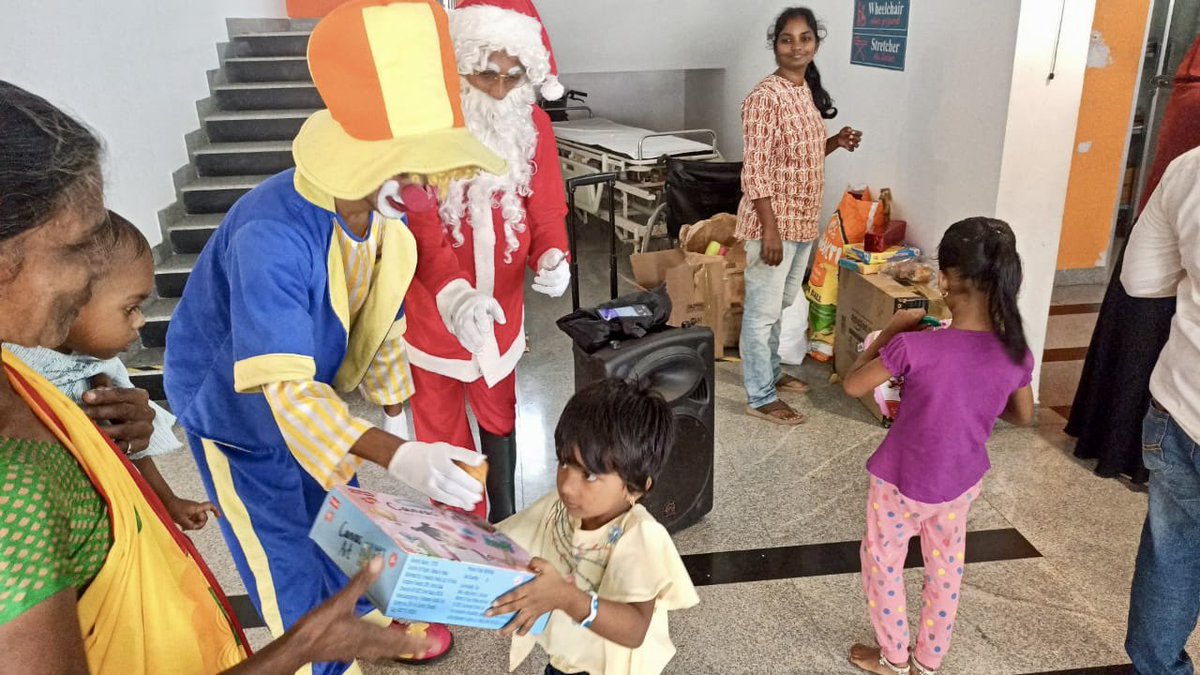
640,208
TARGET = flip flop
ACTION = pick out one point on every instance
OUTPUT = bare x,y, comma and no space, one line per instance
792,384
769,412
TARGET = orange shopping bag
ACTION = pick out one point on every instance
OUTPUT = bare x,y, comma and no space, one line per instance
855,215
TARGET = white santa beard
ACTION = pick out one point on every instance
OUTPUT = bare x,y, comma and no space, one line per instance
506,127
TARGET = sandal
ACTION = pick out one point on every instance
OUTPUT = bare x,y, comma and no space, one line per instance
883,663
777,412
921,670
792,384
440,638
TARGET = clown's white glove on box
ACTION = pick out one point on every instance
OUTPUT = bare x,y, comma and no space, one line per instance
429,468
554,274
469,315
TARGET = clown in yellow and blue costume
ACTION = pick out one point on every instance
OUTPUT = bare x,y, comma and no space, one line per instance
298,298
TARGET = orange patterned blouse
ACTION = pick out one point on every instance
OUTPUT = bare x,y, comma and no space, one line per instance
784,159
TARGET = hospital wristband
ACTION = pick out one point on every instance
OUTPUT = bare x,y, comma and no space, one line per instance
591,617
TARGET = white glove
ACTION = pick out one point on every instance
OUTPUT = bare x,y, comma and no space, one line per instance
429,468
395,425
472,320
554,274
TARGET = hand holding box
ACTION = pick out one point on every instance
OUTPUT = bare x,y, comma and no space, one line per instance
439,566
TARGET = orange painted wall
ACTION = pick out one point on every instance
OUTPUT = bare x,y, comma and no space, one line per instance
311,9
1097,176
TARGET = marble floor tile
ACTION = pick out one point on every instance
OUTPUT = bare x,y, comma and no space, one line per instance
1070,330
1059,381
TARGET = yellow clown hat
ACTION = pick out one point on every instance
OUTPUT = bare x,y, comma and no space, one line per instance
387,73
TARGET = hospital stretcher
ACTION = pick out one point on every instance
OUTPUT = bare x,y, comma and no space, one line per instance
591,145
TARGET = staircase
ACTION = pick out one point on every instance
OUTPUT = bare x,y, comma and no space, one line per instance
261,94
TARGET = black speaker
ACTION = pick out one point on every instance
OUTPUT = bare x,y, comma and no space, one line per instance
678,364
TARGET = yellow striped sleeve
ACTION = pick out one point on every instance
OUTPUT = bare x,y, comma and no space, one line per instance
318,428
252,373
388,380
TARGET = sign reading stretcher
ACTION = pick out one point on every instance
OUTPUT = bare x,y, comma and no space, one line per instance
880,36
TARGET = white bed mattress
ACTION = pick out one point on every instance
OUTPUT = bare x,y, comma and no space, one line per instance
621,139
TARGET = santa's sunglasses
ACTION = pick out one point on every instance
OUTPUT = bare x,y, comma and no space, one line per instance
491,78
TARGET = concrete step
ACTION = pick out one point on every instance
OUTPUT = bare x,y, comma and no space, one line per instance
145,370
158,315
243,159
236,126
283,43
267,69
172,274
216,194
276,95
189,234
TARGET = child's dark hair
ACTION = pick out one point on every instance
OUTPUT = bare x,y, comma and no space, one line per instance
984,251
618,427
812,76
125,242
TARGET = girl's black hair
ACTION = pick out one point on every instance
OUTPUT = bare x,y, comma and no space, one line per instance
812,76
48,162
618,427
984,251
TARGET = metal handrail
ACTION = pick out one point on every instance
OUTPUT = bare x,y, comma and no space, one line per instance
641,144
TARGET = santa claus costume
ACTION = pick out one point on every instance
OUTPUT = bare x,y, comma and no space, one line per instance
498,226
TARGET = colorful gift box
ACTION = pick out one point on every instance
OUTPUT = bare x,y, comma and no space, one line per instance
439,566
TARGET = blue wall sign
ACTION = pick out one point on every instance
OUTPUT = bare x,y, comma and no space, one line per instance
880,36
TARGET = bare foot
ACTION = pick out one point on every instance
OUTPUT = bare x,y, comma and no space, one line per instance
867,659
777,412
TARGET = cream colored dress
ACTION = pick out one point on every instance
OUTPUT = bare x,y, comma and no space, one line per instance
631,559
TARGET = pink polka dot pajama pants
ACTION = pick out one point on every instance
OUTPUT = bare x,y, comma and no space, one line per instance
892,520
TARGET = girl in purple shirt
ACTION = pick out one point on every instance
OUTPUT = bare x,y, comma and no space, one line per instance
928,470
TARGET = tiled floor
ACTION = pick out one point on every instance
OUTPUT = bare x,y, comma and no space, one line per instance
1062,609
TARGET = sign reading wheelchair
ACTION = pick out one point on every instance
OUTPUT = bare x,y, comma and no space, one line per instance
880,38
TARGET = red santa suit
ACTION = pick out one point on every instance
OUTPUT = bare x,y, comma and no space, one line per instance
499,227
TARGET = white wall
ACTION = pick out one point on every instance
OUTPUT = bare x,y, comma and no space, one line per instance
591,36
1039,145
132,70
652,99
704,99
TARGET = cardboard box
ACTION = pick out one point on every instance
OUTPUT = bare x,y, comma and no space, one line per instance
439,566
705,290
694,282
866,303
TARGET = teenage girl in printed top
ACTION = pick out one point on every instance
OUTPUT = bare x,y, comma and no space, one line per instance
928,471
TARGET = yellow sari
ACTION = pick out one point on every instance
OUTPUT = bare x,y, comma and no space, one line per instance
154,607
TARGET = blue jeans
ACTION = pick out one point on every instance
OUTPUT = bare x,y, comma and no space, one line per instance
769,290
1166,584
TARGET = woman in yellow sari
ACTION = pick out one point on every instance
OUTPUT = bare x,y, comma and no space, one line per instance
93,575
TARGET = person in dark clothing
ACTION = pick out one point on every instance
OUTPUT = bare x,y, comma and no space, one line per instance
1114,393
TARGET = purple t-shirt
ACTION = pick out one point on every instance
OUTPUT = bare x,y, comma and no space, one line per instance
956,384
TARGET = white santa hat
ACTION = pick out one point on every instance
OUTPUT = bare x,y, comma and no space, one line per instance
480,27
